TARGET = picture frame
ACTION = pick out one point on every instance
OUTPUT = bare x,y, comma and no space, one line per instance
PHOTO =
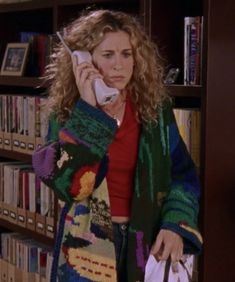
14,59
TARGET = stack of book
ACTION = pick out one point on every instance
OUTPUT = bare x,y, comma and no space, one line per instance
40,46
23,123
24,259
25,200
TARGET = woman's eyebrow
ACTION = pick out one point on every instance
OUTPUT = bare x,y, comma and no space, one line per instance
125,49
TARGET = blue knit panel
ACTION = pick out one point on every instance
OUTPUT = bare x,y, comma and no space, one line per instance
59,236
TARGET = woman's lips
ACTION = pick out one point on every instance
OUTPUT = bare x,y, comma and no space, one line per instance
117,78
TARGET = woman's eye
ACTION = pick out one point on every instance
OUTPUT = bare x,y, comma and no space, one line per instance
126,55
107,55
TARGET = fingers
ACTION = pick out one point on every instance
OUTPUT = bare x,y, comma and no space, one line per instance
74,61
176,256
84,74
175,267
177,252
167,244
166,251
157,248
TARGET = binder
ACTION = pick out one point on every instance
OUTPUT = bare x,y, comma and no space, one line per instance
4,270
31,115
21,217
50,227
16,142
1,139
7,141
23,143
40,224
11,273
30,145
30,223
18,275
0,209
28,276
5,211
37,277
13,214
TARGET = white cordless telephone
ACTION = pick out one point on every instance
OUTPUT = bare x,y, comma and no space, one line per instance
104,94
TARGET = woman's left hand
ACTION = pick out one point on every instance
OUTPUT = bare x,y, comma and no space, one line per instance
168,243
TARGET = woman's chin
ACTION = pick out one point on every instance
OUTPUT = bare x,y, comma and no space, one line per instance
119,86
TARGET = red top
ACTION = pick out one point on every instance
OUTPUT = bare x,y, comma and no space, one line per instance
122,162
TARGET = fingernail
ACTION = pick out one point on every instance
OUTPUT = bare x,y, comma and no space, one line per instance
174,266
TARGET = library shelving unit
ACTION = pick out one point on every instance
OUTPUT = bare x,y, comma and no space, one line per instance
164,21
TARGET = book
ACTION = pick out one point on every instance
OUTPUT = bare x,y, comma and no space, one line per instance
192,50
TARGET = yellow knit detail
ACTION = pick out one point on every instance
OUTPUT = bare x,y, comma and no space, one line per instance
87,183
190,229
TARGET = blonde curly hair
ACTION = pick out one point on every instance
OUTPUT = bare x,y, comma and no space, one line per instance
146,85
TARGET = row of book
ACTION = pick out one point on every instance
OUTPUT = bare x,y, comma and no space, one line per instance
25,200
40,49
23,123
193,29
189,124
24,259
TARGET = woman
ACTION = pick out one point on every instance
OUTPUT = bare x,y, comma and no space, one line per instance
128,183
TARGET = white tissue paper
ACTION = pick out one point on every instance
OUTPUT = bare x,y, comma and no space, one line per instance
155,270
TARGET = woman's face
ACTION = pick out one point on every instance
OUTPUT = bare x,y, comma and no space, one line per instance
114,59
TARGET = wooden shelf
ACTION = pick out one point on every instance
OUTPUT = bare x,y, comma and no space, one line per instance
24,6
45,4
77,2
32,234
34,82
15,155
185,91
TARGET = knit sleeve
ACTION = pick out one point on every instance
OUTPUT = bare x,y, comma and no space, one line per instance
180,209
74,159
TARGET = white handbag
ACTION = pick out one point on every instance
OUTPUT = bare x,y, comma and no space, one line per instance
161,271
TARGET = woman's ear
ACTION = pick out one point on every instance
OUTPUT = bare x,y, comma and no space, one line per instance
94,62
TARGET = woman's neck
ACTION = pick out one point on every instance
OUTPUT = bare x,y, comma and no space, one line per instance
116,109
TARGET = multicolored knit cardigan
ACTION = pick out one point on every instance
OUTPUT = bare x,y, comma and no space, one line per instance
74,163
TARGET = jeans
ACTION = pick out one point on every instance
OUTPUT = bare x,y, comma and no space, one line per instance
120,233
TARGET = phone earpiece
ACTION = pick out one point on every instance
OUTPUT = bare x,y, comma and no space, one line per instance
82,56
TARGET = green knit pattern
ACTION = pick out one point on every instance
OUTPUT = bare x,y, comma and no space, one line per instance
87,124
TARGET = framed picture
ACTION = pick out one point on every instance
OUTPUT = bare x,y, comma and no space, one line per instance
14,59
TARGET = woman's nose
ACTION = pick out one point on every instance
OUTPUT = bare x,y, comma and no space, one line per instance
117,63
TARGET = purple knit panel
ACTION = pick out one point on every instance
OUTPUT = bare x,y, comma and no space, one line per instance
43,160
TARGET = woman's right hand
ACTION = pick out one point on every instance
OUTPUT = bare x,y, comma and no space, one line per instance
84,74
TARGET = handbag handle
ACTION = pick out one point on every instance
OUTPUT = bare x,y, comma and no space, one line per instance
167,270
189,276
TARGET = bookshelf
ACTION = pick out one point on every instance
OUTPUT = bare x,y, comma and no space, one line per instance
15,155
164,21
16,228
32,82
